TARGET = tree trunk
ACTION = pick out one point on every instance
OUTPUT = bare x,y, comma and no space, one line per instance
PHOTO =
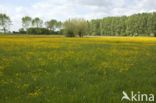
4,30
80,34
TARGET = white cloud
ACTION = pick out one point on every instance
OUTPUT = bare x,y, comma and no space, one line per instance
148,4
88,9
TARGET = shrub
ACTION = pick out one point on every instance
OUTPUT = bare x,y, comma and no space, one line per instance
75,27
22,31
38,31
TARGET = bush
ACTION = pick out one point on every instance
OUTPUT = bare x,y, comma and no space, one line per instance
60,32
69,33
75,27
22,31
38,31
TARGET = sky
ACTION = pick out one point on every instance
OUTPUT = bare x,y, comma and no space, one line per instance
65,9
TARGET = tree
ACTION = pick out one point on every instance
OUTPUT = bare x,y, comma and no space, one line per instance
38,31
59,25
37,22
26,22
68,28
75,27
51,25
22,31
142,24
81,27
95,27
5,22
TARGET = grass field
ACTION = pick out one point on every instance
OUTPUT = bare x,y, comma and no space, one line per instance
54,69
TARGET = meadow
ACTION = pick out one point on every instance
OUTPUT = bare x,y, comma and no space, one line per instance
55,69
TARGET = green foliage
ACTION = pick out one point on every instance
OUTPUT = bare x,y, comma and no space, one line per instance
143,24
94,27
69,28
75,27
37,22
5,22
60,31
51,25
59,25
22,31
38,31
26,22
136,25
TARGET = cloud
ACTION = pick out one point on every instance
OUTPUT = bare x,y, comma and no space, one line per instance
64,9
148,4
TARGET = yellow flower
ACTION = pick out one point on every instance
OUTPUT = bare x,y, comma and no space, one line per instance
35,94
1,67
1,73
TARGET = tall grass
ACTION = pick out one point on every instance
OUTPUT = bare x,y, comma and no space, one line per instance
48,69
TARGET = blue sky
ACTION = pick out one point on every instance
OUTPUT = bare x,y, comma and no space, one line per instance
64,9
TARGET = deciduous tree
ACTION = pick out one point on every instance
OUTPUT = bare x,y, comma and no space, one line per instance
26,22
37,22
75,27
5,22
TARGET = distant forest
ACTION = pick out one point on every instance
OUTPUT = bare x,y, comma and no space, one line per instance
142,24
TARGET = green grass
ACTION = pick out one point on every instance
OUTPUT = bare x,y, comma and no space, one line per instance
51,69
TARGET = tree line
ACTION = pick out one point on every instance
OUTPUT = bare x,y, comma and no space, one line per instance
35,26
142,24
